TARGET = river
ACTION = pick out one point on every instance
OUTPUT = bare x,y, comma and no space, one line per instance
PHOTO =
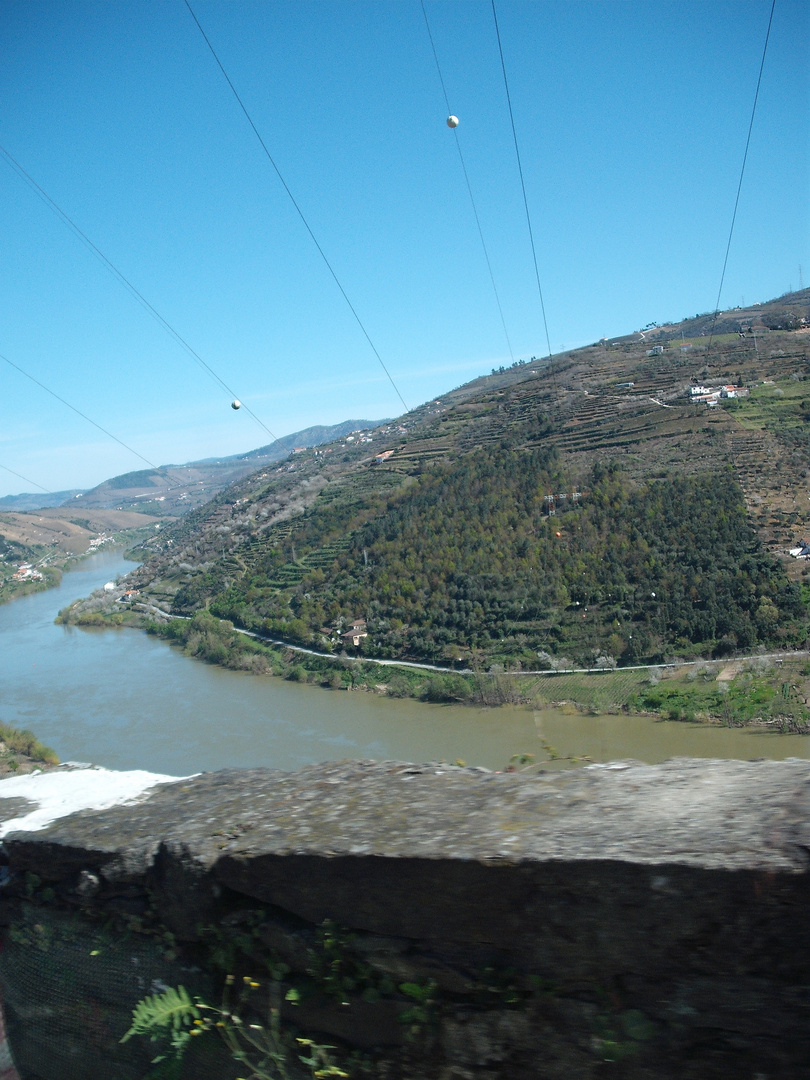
123,699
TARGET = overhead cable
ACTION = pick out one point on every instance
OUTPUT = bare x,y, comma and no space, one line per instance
78,412
298,209
26,480
742,173
522,182
469,186
133,291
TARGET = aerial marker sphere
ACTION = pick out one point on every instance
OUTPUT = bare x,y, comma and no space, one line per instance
236,404
452,121
558,534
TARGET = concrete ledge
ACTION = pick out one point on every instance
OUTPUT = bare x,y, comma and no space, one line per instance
709,814
676,892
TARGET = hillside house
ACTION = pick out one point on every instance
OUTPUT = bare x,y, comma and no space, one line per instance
706,394
355,633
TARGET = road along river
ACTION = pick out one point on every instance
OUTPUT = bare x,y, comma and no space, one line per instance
123,699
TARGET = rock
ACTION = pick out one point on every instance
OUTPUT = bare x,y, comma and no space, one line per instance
649,912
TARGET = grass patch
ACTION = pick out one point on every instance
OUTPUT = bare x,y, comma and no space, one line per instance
607,691
24,743
760,693
776,407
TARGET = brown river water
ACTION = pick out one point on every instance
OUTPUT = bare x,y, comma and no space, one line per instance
122,699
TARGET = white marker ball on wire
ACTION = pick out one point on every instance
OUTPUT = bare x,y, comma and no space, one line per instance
236,404
452,121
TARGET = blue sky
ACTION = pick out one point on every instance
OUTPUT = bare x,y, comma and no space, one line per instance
631,118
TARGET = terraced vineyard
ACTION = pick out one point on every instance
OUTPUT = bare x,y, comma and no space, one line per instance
293,535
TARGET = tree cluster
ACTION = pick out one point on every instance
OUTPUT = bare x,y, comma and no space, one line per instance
466,565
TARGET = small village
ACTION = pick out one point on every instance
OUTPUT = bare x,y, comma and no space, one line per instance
27,571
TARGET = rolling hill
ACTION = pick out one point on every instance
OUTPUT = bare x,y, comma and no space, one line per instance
595,507
47,530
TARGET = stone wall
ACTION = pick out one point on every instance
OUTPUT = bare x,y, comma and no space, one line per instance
624,920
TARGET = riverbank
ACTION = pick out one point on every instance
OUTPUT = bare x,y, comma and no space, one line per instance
21,752
69,543
12,588
768,692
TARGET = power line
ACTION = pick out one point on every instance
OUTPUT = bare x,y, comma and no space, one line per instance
77,411
133,291
469,186
26,480
522,182
742,174
298,209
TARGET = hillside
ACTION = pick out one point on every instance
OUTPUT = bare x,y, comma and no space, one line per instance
35,547
173,490
592,509
46,531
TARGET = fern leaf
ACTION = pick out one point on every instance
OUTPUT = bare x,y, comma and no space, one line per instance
171,1008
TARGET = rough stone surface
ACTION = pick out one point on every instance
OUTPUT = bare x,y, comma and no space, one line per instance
655,916
11,808
709,814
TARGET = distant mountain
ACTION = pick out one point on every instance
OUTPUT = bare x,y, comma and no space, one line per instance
173,490
311,436
28,501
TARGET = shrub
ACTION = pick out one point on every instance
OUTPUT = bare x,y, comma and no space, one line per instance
24,742
443,688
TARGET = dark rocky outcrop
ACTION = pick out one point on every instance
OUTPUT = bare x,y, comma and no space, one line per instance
652,917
